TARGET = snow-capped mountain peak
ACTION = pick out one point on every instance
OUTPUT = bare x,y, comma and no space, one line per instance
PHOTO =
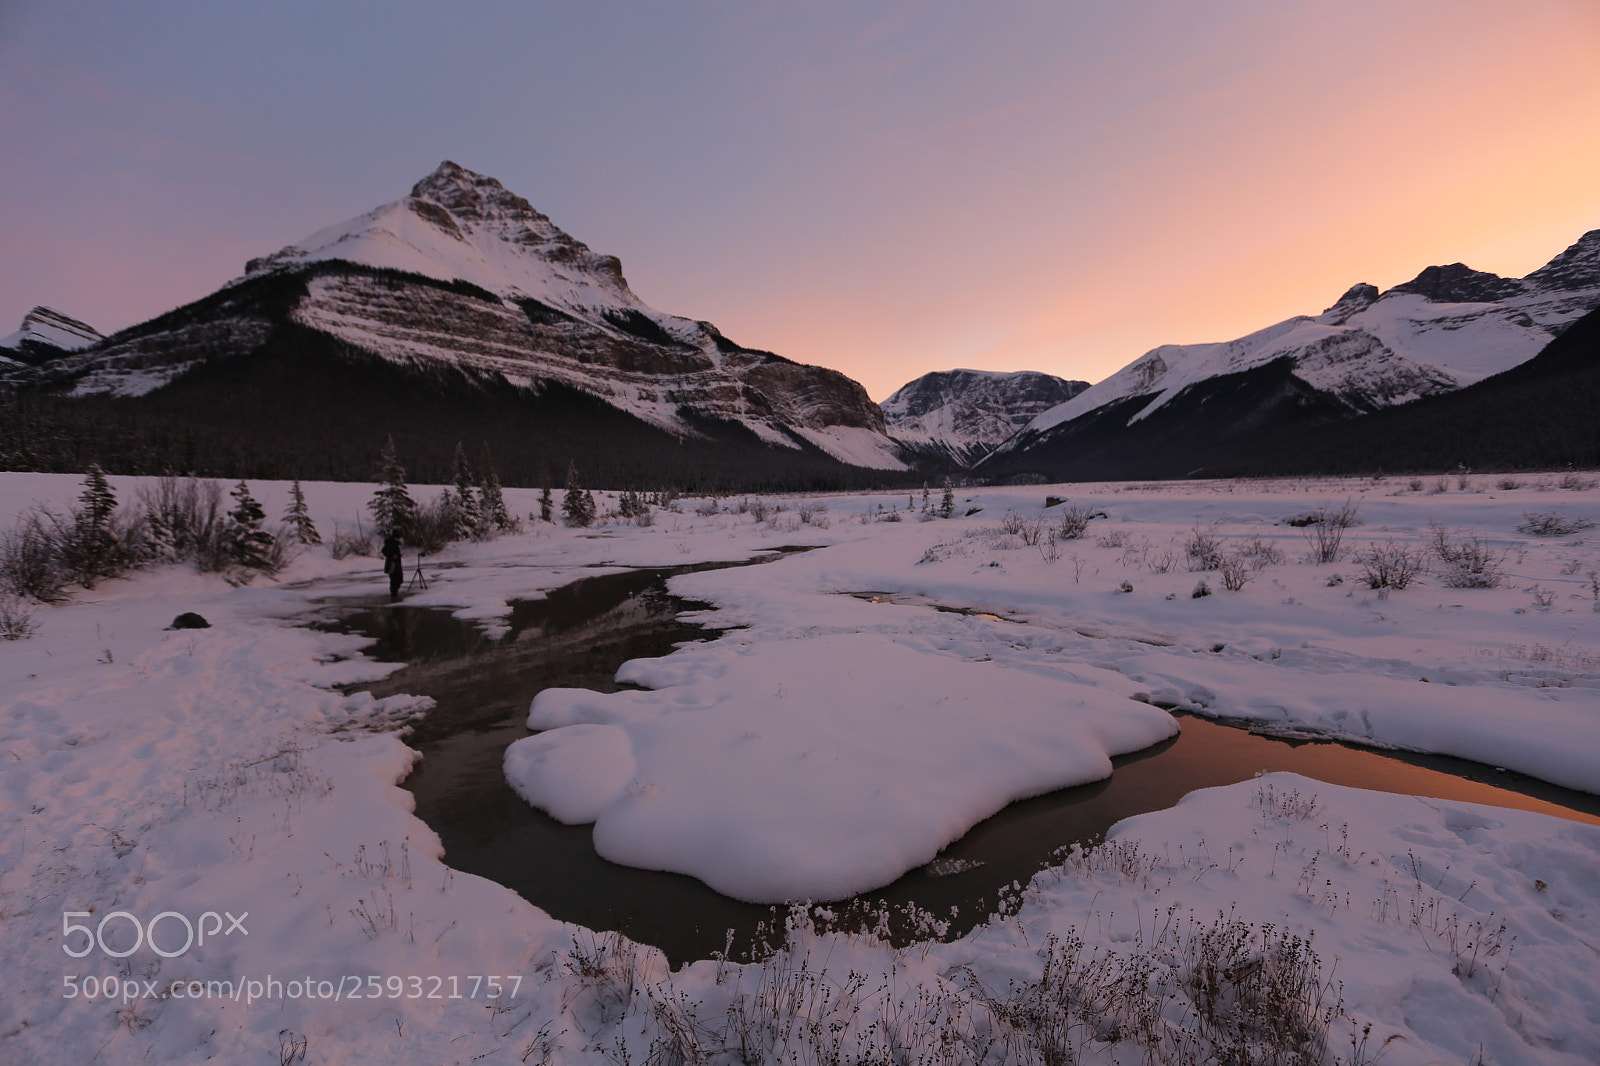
1448,327
462,284
1357,298
48,326
457,225
45,333
964,414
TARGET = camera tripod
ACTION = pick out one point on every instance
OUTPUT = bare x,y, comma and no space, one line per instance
418,579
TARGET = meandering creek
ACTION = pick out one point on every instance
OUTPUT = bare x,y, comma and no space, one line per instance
581,633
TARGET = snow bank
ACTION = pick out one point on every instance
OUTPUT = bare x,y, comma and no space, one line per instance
147,770
811,769
1462,933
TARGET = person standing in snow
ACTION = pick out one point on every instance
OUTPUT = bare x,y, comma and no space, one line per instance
393,565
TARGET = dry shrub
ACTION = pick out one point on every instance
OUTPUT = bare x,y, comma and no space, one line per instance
1204,548
1325,530
45,551
349,541
1388,566
1235,572
16,618
1551,524
28,562
1161,562
1468,562
184,520
1258,553
435,524
1030,530
1073,522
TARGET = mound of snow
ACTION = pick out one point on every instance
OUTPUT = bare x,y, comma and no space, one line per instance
811,769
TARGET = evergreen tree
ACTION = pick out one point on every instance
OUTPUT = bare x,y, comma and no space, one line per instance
160,536
301,528
493,502
98,500
248,545
545,504
91,550
469,517
578,503
392,507
947,506
926,505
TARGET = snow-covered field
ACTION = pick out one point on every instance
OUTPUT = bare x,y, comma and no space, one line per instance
842,731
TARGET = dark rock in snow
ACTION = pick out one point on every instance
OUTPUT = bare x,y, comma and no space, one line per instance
1459,283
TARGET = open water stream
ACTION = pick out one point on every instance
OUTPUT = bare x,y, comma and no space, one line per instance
581,633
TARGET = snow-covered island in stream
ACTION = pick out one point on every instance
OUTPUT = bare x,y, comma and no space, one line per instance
855,708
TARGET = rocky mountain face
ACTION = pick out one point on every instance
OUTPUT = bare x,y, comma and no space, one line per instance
45,335
1543,414
960,416
462,284
1447,328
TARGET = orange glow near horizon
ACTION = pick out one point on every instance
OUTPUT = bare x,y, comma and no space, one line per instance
1264,196
886,191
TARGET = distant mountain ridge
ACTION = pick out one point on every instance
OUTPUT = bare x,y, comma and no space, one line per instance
960,416
46,334
1543,414
462,285
1445,329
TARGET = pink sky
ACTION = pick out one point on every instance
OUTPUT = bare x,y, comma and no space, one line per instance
882,188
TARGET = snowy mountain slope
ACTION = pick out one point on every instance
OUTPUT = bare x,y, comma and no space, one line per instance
1449,327
1541,414
462,276
1267,421
457,225
962,415
45,334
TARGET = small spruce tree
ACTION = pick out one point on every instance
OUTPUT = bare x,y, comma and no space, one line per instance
947,506
160,536
98,499
546,505
298,518
248,545
469,517
392,507
578,503
92,550
493,502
